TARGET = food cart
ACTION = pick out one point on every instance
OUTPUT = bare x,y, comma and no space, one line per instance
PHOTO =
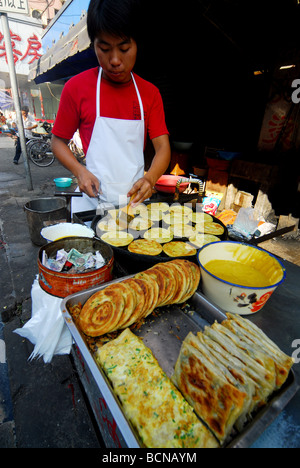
164,332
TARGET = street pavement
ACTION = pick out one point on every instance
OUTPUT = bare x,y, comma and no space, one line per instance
41,405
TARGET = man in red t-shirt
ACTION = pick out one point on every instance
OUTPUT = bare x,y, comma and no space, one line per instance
114,110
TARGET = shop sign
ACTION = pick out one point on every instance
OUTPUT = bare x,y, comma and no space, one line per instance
26,47
14,6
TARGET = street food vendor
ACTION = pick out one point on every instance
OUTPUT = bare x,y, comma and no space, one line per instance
115,110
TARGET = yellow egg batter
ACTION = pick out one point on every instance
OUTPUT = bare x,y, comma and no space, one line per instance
238,273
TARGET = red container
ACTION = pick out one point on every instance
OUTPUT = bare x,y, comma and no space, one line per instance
62,284
167,184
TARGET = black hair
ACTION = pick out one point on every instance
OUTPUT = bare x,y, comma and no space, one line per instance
119,18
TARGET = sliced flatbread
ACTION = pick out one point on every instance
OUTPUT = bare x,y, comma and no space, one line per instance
179,249
257,372
153,405
145,247
217,402
117,238
249,332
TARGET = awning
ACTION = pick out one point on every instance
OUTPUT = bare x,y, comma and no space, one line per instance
69,56
5,101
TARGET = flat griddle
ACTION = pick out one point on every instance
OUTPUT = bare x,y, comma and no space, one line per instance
138,262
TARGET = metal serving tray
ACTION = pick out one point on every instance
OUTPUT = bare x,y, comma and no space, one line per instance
163,333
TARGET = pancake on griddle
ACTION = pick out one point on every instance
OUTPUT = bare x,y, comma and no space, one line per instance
145,247
117,238
179,249
159,234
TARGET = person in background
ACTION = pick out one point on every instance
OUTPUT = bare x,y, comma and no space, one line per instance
2,119
114,110
29,124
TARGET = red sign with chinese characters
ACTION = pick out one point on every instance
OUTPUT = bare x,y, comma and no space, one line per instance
31,53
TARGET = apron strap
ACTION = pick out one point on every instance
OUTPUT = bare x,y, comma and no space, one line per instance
98,95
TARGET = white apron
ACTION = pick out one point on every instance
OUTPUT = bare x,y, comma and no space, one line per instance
115,156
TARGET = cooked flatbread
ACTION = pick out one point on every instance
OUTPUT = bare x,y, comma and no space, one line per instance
108,224
182,230
167,282
145,247
121,304
200,239
235,376
181,209
153,405
103,310
154,215
215,229
200,217
140,224
175,218
257,372
179,249
117,238
161,206
194,273
139,209
160,235
217,402
251,333
152,293
230,329
140,291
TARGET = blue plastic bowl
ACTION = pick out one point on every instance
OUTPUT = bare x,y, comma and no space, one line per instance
63,182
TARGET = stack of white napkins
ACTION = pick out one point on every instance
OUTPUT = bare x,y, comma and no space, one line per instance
46,329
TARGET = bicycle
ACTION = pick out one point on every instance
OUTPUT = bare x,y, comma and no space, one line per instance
39,151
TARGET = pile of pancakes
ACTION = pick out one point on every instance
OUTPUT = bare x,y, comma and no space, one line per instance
121,304
175,230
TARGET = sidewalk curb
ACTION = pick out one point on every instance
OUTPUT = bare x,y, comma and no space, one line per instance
7,424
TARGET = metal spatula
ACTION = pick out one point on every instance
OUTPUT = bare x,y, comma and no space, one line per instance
100,207
125,215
